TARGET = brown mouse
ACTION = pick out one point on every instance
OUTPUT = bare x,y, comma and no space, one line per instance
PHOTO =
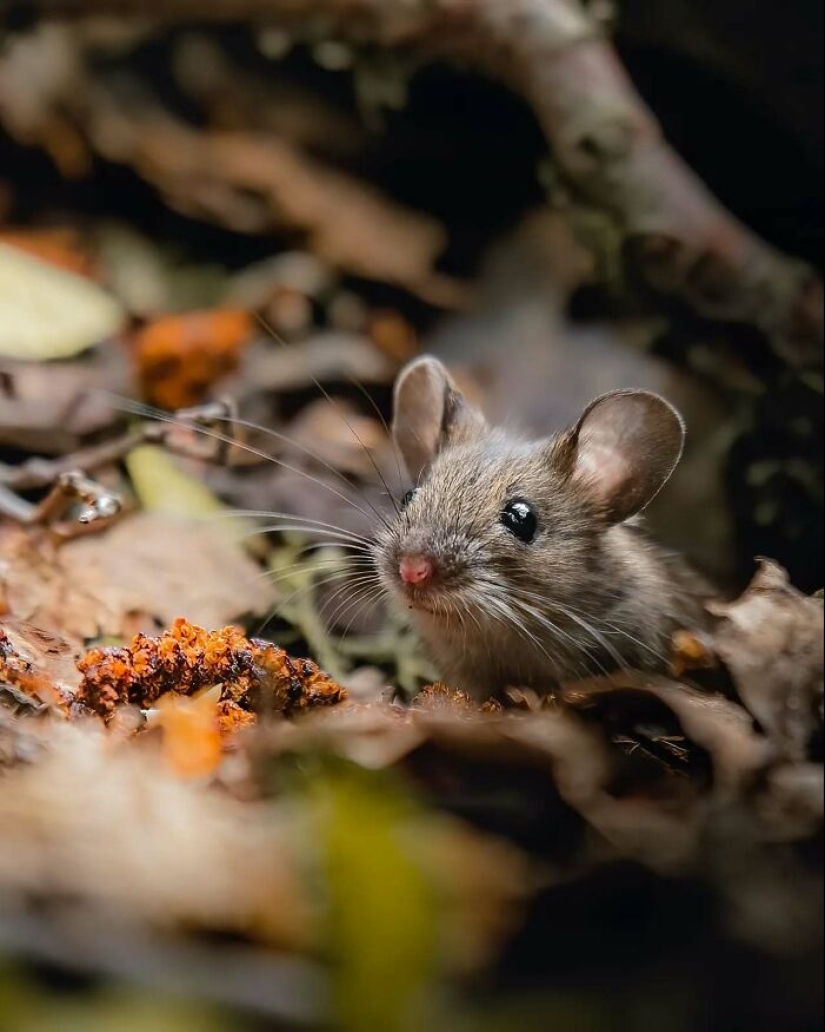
523,563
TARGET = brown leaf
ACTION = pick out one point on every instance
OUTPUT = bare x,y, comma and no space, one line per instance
117,828
251,183
145,572
38,662
721,729
771,640
49,408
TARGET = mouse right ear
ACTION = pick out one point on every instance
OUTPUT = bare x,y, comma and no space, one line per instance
430,413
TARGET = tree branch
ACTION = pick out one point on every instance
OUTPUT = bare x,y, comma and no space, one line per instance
606,140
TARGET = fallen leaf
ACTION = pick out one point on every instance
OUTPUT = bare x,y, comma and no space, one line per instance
772,641
47,313
719,728
48,408
116,828
163,487
63,248
144,572
192,741
37,662
180,358
251,183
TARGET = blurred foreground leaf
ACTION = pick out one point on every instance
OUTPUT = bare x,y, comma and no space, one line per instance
47,313
25,1007
383,918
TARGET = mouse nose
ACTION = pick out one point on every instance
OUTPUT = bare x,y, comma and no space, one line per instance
417,571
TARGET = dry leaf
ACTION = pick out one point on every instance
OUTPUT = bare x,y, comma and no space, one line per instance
47,313
772,642
180,358
47,408
192,742
144,572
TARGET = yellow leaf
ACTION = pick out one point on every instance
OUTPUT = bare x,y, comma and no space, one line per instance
47,313
162,486
384,913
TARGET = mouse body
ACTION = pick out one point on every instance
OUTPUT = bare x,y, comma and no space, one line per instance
523,563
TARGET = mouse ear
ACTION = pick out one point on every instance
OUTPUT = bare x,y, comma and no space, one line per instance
625,449
430,413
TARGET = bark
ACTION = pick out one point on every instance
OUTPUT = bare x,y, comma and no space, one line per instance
607,142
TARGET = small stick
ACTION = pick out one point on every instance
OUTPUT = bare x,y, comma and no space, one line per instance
101,507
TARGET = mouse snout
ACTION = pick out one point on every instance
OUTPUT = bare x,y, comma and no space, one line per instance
416,571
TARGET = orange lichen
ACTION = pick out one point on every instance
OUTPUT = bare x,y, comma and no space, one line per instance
253,676
180,357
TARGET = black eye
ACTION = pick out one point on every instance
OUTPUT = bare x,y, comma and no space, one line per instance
520,520
407,499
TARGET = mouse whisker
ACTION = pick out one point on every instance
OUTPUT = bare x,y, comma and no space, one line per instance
592,632
314,585
497,607
279,340
265,514
592,622
315,564
369,598
158,415
341,538
361,598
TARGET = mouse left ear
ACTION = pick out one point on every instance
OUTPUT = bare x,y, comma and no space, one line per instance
624,450
430,413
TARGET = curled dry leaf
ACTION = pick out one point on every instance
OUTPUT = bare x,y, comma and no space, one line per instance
144,572
691,720
771,641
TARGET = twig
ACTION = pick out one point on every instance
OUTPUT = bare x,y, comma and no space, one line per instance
607,142
100,507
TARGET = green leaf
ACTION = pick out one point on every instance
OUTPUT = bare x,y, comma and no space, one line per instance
47,313
383,911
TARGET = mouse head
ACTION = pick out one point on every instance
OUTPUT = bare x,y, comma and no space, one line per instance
494,521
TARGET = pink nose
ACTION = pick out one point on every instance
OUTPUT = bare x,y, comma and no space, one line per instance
416,570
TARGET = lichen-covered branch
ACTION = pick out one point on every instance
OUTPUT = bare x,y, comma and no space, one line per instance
608,144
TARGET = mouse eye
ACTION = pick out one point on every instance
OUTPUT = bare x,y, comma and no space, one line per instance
406,501
520,519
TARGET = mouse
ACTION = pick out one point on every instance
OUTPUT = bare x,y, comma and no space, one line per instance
526,563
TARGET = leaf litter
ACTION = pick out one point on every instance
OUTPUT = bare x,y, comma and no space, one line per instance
122,722
166,772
